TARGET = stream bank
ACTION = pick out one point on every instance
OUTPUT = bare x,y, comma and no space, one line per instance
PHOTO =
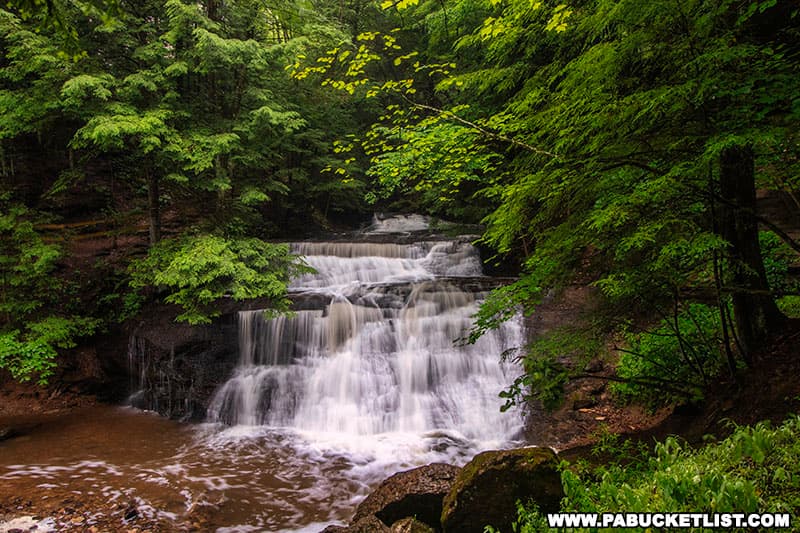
183,368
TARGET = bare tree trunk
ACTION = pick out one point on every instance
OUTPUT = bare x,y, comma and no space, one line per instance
754,309
153,207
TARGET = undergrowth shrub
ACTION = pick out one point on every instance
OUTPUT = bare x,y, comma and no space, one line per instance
198,270
674,361
755,469
778,256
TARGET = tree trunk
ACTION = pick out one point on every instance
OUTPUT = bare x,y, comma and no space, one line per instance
754,309
153,207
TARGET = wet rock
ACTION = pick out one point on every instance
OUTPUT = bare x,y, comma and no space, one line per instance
334,529
411,525
414,493
367,524
487,489
131,513
370,524
7,432
174,368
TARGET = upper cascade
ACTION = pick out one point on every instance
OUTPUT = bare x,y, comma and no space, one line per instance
399,224
343,266
379,350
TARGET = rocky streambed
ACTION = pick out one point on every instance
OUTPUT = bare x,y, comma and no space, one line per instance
441,497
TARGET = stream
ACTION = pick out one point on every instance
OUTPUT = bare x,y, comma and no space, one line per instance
368,377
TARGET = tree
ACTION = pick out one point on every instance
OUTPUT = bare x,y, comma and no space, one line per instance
33,324
200,270
175,110
616,124
650,112
754,308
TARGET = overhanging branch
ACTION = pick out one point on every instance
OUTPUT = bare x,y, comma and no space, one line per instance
499,136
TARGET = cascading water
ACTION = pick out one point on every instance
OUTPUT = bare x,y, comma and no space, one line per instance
381,356
364,380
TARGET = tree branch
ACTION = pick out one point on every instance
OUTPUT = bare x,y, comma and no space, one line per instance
478,127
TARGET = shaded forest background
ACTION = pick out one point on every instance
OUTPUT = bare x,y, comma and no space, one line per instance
614,143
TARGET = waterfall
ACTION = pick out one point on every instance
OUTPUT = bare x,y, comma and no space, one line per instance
380,352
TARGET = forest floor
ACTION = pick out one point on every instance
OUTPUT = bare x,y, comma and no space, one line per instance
769,390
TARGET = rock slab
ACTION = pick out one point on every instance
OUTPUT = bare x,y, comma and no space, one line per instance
487,489
411,525
416,493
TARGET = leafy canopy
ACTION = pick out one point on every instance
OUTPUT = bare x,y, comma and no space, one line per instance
197,271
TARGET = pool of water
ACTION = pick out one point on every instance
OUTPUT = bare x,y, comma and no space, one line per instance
245,478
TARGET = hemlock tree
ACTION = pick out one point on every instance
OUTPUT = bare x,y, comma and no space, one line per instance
197,114
656,115
630,139
33,321
190,105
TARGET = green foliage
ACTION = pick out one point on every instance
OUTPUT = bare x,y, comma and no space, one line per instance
777,258
26,358
674,361
435,160
197,271
58,14
543,380
618,451
789,305
32,327
529,520
33,353
205,112
32,72
545,370
753,470
622,117
504,303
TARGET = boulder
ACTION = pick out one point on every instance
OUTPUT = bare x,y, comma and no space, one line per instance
488,487
367,524
7,432
411,525
416,493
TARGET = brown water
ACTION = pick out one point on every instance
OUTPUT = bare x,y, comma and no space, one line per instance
105,460
244,481
322,407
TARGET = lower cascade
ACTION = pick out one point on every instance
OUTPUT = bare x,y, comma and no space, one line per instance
381,351
309,412
364,370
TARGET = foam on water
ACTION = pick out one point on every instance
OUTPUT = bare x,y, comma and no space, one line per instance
375,381
366,381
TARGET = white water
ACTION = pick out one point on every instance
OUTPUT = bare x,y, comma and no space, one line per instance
360,371
343,268
375,377
365,382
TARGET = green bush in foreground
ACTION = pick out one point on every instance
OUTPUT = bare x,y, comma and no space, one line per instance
754,470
